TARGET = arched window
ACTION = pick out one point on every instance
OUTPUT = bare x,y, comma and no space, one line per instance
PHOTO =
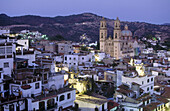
101,35
61,97
102,25
115,35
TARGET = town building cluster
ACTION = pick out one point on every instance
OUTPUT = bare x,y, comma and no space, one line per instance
45,75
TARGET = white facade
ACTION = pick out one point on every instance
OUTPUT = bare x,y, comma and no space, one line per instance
100,56
65,103
71,60
24,42
4,31
36,88
6,60
145,82
56,82
30,57
85,58
88,106
148,50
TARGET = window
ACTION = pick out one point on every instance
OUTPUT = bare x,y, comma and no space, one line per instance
151,87
148,80
147,101
70,58
74,58
45,76
37,85
11,107
74,63
68,96
9,49
57,98
115,35
82,58
131,109
25,42
61,97
151,79
6,64
148,89
61,48
2,50
70,63
142,82
101,35
65,58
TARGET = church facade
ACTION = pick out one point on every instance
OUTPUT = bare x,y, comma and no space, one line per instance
118,46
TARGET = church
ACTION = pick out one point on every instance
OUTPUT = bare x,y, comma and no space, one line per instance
118,46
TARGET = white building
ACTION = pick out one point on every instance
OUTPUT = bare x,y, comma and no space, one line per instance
7,50
24,43
91,102
4,31
148,50
145,82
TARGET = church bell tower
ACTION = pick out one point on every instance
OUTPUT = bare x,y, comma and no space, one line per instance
117,38
103,34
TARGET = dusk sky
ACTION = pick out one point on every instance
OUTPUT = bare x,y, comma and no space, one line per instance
152,11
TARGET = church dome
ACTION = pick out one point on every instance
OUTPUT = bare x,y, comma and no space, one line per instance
126,32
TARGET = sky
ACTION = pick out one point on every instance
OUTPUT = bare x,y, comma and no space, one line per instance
151,11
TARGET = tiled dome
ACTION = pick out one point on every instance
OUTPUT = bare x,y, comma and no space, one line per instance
126,32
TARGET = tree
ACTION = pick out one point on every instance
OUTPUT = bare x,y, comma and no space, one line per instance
57,38
83,48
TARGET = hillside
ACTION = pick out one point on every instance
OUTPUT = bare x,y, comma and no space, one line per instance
73,26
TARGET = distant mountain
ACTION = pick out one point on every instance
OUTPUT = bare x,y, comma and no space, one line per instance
73,26
166,24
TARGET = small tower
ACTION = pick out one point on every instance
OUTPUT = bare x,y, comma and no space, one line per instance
103,34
